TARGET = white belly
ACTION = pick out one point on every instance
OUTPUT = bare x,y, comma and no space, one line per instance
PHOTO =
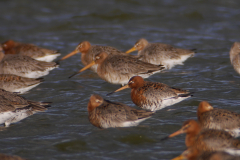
12,117
123,124
163,103
133,123
169,63
48,58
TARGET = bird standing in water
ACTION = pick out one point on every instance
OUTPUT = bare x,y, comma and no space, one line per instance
33,51
105,114
159,53
154,95
118,69
88,52
13,83
207,139
214,118
14,108
25,66
194,154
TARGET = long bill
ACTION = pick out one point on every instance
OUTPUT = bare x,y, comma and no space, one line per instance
122,88
69,55
180,131
131,50
83,69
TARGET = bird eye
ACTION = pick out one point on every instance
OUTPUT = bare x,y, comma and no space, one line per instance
186,126
97,100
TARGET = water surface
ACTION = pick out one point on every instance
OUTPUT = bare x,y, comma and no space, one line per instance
64,132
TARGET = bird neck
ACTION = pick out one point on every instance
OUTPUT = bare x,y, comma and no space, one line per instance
191,136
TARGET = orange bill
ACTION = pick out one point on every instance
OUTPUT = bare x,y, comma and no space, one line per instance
122,88
69,55
180,131
131,50
83,69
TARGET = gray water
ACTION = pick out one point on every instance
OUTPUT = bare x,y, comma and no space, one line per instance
64,132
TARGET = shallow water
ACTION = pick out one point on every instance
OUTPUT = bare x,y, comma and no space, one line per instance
64,132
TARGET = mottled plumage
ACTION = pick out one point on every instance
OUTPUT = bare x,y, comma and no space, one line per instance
35,52
235,56
154,95
25,66
14,108
207,139
118,69
194,154
13,83
88,52
105,114
214,118
159,53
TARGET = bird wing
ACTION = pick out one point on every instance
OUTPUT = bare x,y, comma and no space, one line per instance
129,65
217,139
222,118
164,51
24,64
158,91
117,112
13,97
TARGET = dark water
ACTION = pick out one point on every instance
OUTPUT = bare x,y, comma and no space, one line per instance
64,132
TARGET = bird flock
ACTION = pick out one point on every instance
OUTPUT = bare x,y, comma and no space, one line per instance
212,137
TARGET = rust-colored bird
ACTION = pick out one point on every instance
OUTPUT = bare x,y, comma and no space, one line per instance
13,83
88,52
153,95
25,66
194,154
207,139
214,118
14,108
119,68
235,56
159,53
33,51
105,114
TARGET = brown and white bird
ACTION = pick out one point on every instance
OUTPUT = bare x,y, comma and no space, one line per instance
235,56
215,118
25,66
119,68
33,51
88,52
105,114
14,108
161,54
207,139
13,83
195,154
154,95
